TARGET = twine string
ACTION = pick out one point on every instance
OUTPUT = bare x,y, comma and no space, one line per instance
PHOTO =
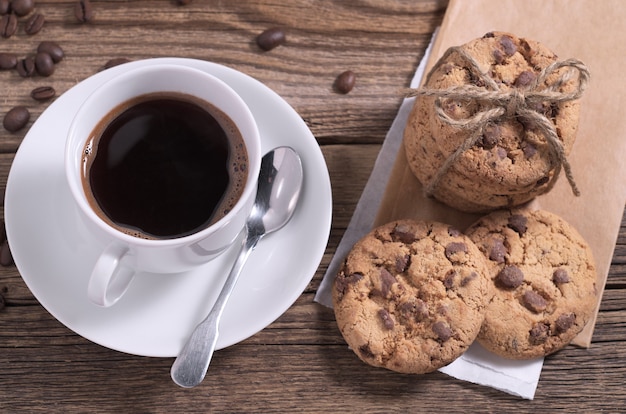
499,104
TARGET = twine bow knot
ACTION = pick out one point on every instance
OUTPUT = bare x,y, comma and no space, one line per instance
516,103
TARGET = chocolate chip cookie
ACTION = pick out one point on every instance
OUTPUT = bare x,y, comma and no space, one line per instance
411,296
509,161
544,280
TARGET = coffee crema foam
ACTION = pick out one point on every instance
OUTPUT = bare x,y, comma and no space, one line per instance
201,165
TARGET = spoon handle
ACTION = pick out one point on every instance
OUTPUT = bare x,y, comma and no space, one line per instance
192,363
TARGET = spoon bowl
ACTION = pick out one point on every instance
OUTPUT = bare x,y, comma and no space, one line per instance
279,187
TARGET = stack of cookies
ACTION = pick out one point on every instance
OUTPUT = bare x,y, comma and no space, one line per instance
412,296
489,131
494,122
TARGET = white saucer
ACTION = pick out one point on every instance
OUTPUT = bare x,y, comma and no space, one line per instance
158,313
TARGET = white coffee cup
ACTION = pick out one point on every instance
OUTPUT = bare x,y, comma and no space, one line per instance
125,254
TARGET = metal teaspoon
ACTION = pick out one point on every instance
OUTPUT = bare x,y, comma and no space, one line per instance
279,184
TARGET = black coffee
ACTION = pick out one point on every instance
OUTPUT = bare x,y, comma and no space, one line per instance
164,166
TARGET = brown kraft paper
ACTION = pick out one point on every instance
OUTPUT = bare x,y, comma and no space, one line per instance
589,31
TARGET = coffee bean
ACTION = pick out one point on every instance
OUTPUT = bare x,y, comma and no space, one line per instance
345,82
114,62
271,38
5,7
44,64
34,24
8,61
8,25
26,67
22,7
16,119
83,11
53,49
43,93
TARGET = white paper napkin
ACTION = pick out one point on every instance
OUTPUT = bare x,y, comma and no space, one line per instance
477,365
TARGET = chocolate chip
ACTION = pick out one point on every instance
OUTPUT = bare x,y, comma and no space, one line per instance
402,263
528,149
447,68
564,322
491,136
560,276
83,11
498,251
43,93
448,279
34,24
386,281
388,322
271,38
6,259
403,233
44,64
542,181
510,277
22,7
26,67
345,82
16,119
453,248
442,330
366,352
554,110
488,35
524,79
498,56
454,232
8,61
539,333
465,281
508,46
534,301
518,222
183,2
114,62
502,153
475,79
416,310
8,25
2,302
53,49
343,281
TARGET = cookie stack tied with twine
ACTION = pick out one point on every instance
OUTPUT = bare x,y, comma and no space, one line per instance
494,122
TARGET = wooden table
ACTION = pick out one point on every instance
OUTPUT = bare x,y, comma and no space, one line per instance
300,362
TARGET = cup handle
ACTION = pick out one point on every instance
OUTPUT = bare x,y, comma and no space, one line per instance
109,278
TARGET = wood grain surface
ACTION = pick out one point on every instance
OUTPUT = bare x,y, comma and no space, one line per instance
299,363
